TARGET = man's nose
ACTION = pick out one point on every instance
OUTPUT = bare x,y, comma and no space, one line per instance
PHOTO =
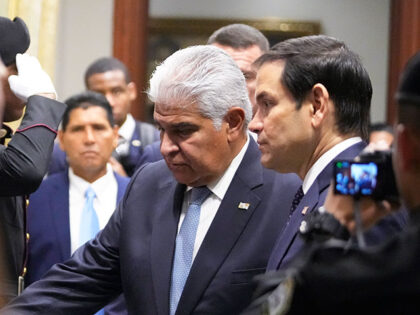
167,146
89,135
256,123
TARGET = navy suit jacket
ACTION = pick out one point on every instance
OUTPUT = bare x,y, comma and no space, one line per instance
134,252
289,243
49,228
151,153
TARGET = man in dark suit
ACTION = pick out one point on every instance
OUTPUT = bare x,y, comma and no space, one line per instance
88,136
24,161
331,279
148,249
110,77
313,102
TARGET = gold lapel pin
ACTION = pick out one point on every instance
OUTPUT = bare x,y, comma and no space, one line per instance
243,205
304,210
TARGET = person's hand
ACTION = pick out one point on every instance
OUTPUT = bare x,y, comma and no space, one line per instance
342,207
31,79
117,167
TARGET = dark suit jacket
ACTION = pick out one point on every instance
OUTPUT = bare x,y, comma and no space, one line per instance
49,228
142,130
151,153
23,164
134,251
289,243
382,280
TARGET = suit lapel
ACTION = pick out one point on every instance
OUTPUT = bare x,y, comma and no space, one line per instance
309,202
288,235
59,205
163,242
226,228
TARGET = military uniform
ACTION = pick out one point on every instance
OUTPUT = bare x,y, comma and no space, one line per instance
23,163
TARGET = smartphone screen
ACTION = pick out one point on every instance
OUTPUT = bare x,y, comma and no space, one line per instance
355,178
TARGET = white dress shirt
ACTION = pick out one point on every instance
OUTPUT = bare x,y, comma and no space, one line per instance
210,206
125,134
324,160
105,188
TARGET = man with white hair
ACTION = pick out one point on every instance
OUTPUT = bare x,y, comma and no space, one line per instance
193,230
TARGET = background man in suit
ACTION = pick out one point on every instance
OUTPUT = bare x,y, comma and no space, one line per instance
110,77
88,136
313,100
157,248
23,163
244,44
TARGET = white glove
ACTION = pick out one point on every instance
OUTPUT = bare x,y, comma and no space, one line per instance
31,78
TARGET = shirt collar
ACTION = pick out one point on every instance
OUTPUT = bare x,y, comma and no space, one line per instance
325,159
127,129
79,184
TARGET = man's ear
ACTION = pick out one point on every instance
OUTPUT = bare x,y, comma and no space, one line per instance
60,136
132,90
320,99
235,119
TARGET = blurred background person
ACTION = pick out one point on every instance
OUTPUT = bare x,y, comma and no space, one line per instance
381,136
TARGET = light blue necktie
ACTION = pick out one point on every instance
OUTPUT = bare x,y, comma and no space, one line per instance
184,246
89,223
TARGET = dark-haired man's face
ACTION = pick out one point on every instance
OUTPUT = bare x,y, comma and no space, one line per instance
13,105
284,132
118,92
88,141
244,58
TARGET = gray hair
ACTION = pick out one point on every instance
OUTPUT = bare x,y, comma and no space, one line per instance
205,75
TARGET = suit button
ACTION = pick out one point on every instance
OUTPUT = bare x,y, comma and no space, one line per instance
27,236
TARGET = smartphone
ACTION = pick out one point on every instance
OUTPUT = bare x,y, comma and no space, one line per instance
355,178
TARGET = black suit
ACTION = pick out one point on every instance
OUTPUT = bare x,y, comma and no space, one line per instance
23,164
134,252
381,280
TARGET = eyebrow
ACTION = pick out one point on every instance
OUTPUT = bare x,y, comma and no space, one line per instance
262,95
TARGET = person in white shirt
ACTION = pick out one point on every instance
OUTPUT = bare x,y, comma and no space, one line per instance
57,222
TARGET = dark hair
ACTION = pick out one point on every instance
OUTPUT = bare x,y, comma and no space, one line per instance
85,100
322,59
381,126
106,64
239,36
